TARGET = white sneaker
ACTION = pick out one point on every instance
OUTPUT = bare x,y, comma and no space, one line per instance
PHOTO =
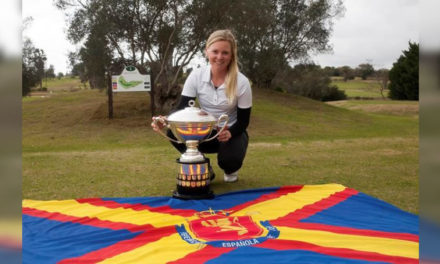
233,177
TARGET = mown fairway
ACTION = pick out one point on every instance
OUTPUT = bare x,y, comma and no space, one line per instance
359,88
71,149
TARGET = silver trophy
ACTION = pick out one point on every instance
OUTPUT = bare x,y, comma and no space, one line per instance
192,126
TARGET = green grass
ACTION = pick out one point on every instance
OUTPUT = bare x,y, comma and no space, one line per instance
386,107
359,88
72,150
63,84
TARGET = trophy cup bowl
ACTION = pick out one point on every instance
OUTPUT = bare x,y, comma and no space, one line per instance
192,126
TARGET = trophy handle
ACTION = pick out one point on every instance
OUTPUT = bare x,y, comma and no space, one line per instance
223,118
163,121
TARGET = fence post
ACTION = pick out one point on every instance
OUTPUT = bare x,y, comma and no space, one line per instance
110,94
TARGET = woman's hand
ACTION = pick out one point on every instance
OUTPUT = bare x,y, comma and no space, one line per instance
224,136
158,125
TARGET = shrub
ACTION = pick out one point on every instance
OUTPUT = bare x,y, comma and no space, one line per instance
334,94
308,80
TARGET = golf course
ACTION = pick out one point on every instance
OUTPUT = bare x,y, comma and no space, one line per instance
71,149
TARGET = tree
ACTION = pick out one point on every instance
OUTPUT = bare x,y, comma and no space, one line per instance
365,70
308,80
77,67
155,35
273,33
39,60
404,75
96,57
28,72
60,75
331,71
163,36
347,72
29,78
50,73
382,77
33,60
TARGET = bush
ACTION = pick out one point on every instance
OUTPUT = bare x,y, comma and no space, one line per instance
308,80
404,76
334,94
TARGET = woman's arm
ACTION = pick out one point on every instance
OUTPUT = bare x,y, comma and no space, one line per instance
243,117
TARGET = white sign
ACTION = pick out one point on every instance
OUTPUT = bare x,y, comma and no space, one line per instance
131,80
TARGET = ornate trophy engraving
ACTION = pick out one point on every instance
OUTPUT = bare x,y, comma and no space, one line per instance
192,126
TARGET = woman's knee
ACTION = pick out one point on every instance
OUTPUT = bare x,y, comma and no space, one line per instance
229,164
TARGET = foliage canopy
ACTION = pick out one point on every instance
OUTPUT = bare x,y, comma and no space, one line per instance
164,36
308,80
33,61
404,75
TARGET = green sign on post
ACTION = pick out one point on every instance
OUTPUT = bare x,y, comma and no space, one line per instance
131,80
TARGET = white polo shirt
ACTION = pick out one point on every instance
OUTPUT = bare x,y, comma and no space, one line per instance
214,101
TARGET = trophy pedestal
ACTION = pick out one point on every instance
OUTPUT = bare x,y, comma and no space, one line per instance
192,154
193,180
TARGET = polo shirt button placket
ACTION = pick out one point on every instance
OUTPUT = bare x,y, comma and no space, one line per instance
215,94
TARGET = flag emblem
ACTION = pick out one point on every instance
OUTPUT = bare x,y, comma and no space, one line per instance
219,229
225,228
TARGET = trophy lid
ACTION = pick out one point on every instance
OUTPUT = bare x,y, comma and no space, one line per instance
191,114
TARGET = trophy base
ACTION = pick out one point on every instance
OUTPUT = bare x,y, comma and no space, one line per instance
193,181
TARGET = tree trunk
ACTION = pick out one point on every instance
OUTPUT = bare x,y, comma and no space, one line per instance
162,104
164,96
165,90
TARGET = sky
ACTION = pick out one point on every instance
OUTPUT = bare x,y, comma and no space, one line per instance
48,31
371,31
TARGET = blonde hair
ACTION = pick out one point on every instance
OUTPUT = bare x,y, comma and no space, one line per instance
231,77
